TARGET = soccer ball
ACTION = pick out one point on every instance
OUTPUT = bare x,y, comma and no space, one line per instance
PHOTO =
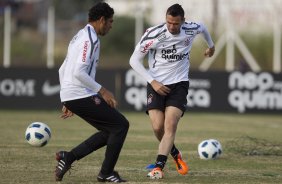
38,134
218,146
209,149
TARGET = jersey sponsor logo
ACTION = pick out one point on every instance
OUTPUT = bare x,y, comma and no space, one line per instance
171,55
166,52
147,46
49,90
85,48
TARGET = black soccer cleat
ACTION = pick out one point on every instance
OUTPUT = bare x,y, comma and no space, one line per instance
62,166
113,177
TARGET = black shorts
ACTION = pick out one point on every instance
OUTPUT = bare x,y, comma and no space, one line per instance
176,98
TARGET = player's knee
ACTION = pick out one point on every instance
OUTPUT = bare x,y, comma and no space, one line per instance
124,125
158,130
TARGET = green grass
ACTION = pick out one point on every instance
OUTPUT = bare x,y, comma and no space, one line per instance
23,164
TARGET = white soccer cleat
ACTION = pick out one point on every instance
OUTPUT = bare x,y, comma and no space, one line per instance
156,173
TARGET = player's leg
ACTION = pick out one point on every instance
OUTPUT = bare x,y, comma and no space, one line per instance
114,127
157,122
176,102
93,143
172,115
65,158
117,135
155,109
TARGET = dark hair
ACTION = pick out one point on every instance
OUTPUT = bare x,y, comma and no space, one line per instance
175,10
101,9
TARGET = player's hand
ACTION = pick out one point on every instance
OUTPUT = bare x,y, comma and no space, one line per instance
108,97
160,88
66,113
209,52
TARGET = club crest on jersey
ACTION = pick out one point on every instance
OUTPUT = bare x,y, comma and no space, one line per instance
150,98
161,37
187,42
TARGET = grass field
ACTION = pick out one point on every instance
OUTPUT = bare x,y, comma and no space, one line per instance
23,164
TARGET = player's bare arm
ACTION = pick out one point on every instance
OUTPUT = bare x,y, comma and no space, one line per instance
209,52
108,97
160,88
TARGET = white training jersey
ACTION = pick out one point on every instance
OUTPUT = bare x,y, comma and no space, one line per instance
77,73
168,54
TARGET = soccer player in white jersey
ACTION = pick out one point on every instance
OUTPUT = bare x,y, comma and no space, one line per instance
82,95
168,47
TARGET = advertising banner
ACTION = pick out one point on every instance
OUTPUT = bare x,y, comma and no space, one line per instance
23,88
216,91
208,92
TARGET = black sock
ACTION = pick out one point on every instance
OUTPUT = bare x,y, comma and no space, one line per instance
70,158
161,160
174,151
